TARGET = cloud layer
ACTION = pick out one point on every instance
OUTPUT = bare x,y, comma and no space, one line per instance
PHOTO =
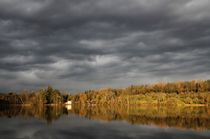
77,45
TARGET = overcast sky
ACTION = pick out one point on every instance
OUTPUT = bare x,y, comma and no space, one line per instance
76,45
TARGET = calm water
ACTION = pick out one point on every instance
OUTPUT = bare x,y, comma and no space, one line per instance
104,122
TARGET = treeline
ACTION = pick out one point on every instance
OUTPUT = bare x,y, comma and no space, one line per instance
41,97
176,87
176,93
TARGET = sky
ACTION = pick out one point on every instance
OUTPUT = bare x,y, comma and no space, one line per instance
76,45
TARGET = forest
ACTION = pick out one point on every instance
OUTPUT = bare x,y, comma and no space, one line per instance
48,96
196,92
175,93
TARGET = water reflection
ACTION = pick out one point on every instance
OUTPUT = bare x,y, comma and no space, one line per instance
197,118
47,113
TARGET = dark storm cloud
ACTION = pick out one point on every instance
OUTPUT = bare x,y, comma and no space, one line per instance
79,44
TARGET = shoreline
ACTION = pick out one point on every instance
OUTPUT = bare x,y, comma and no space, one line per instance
130,105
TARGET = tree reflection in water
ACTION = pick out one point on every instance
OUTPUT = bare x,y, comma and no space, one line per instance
197,118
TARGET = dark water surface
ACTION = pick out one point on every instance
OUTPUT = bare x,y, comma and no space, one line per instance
104,123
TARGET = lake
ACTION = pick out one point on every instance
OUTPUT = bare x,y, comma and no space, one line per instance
104,122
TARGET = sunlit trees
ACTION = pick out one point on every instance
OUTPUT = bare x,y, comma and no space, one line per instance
187,92
41,97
